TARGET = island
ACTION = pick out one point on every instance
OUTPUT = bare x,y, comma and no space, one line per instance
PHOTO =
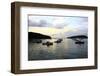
78,38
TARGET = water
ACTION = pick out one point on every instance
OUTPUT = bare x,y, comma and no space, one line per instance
67,49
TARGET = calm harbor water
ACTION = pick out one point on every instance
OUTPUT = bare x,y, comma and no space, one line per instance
67,49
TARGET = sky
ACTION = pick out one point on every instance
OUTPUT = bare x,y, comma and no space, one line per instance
58,25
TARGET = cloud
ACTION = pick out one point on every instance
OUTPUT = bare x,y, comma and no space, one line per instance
47,22
40,23
58,22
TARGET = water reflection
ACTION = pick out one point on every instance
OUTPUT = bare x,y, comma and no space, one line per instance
45,49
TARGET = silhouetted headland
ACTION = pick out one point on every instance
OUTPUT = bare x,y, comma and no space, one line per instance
79,36
32,35
36,37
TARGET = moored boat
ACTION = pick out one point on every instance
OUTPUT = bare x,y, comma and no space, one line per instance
58,41
47,43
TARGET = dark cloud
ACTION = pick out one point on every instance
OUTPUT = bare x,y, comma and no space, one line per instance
44,23
41,23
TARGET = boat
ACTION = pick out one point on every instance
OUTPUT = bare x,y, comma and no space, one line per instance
58,41
36,41
47,43
79,42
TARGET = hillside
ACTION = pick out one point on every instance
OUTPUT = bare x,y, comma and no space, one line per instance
33,35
